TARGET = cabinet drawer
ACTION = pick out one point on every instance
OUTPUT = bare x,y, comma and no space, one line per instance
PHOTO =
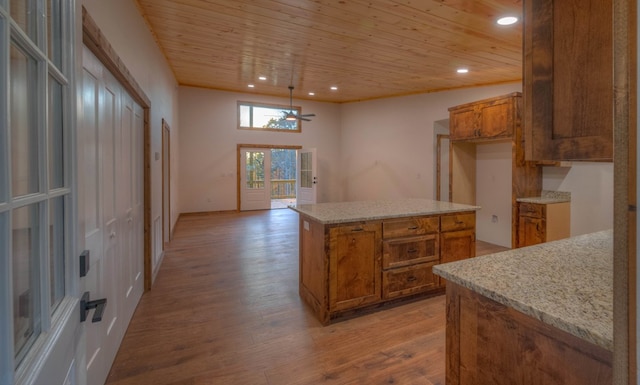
408,280
410,226
458,222
531,210
410,250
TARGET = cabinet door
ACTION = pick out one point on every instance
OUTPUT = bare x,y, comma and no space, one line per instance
463,123
568,80
354,265
497,119
531,231
457,245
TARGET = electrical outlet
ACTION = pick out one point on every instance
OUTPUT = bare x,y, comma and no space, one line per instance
494,219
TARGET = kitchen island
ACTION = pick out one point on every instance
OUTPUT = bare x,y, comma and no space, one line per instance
357,256
536,315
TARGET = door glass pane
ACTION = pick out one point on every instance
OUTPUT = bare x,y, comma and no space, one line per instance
26,317
306,174
54,28
24,13
24,134
255,169
56,250
56,148
283,173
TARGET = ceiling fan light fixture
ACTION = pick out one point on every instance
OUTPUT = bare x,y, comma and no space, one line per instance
290,117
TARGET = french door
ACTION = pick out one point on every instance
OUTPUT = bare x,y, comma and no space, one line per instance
307,179
255,179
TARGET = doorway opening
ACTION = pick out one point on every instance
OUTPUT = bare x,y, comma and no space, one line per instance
266,177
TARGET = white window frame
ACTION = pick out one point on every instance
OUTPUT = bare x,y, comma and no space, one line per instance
277,109
51,322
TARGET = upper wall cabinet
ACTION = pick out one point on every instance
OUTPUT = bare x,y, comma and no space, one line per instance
486,119
568,80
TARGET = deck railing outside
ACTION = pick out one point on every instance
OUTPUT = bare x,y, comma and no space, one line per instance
280,188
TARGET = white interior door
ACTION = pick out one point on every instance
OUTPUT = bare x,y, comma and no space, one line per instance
255,179
307,180
112,181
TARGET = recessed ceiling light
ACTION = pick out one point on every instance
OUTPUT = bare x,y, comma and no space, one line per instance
462,70
334,88
251,85
312,93
507,20
262,77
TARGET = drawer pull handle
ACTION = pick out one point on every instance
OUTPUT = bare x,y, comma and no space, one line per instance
413,228
459,223
411,279
412,251
357,229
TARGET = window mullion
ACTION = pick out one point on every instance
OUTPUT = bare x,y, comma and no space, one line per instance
7,362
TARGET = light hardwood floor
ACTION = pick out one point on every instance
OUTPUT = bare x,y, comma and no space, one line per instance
225,310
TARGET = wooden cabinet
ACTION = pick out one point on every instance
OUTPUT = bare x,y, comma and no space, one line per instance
351,267
568,79
503,114
457,238
486,119
407,258
539,223
354,265
489,343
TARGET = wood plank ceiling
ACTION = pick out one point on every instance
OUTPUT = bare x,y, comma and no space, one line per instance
367,48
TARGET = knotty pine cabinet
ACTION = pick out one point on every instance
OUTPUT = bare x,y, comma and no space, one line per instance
490,343
539,223
568,80
487,119
526,177
354,265
345,268
457,238
410,249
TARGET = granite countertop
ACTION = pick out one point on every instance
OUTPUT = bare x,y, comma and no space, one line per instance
344,212
548,197
567,283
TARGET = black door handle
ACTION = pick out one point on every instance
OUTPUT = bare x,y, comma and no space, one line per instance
86,305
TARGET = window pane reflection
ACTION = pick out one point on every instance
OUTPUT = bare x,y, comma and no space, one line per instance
56,250
56,148
26,317
24,134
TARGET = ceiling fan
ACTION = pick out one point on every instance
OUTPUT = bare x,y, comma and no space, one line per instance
289,115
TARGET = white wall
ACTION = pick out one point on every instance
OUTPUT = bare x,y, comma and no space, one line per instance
208,146
591,187
127,32
493,192
387,144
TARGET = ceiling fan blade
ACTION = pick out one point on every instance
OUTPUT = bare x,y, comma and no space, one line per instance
307,115
301,118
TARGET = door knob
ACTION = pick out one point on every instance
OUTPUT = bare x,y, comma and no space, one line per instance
86,305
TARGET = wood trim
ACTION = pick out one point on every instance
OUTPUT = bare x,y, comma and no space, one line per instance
239,148
165,127
98,44
439,139
205,213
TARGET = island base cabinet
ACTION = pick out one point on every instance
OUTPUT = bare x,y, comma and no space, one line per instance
354,265
408,280
489,343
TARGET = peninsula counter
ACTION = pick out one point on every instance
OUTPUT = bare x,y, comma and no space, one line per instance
538,314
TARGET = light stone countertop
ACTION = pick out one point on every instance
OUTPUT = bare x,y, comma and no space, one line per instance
344,212
567,283
548,197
